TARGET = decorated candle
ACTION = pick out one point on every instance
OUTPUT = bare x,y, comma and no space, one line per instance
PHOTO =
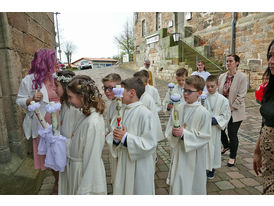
118,93
52,108
34,107
176,99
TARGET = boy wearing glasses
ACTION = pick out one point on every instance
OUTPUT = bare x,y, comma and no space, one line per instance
181,75
218,107
187,174
109,82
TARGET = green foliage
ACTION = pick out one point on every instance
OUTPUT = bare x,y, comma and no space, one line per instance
125,41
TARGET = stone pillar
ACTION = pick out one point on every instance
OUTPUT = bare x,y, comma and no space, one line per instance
10,76
4,142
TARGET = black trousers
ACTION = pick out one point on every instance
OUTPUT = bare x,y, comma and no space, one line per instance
232,129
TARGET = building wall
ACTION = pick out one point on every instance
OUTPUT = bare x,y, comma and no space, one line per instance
253,33
150,18
22,33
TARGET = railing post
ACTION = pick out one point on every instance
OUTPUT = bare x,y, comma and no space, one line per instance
183,52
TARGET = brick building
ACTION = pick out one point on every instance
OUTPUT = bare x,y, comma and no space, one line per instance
21,34
208,36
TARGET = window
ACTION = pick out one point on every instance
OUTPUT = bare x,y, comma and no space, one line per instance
135,17
188,16
158,21
143,28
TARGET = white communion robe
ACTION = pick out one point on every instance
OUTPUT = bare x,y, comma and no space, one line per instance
177,89
204,75
68,117
187,174
218,107
111,124
148,101
135,166
85,167
155,95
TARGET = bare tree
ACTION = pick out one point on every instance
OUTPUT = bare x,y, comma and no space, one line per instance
125,40
69,48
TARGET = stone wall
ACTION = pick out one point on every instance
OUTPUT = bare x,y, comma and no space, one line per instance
21,34
253,33
150,18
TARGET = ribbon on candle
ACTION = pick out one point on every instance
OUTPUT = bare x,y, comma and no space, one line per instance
171,85
53,107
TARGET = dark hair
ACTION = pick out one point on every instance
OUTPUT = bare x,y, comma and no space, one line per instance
268,91
113,77
196,81
181,72
236,58
143,75
212,78
202,63
83,85
69,74
136,84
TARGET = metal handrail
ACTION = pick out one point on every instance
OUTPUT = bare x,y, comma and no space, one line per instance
198,51
203,55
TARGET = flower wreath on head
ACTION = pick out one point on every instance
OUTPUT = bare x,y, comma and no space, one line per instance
61,78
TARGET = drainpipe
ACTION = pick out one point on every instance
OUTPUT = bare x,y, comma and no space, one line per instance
233,23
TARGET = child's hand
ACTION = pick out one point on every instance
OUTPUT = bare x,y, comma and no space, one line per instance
119,133
169,106
177,132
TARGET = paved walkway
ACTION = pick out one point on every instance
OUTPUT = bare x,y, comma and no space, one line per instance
238,180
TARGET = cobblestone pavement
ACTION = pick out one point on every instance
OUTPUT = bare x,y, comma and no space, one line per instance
237,180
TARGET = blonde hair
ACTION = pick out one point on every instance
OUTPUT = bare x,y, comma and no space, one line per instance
83,85
196,81
113,77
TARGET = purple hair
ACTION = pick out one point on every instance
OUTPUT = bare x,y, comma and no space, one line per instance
43,65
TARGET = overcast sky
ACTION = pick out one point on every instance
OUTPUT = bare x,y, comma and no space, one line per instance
92,33
92,25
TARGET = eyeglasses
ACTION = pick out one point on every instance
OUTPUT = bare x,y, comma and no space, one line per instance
107,88
188,91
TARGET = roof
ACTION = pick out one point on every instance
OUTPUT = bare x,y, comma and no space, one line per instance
96,60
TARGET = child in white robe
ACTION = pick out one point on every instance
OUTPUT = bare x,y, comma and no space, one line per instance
201,71
134,144
68,115
151,90
86,173
218,107
187,174
149,102
181,75
109,82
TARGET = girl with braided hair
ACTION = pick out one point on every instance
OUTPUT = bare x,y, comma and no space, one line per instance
85,168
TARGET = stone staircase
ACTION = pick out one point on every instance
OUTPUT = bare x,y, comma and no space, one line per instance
193,52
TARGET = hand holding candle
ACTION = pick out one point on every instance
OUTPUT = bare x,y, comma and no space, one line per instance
118,93
34,107
170,88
